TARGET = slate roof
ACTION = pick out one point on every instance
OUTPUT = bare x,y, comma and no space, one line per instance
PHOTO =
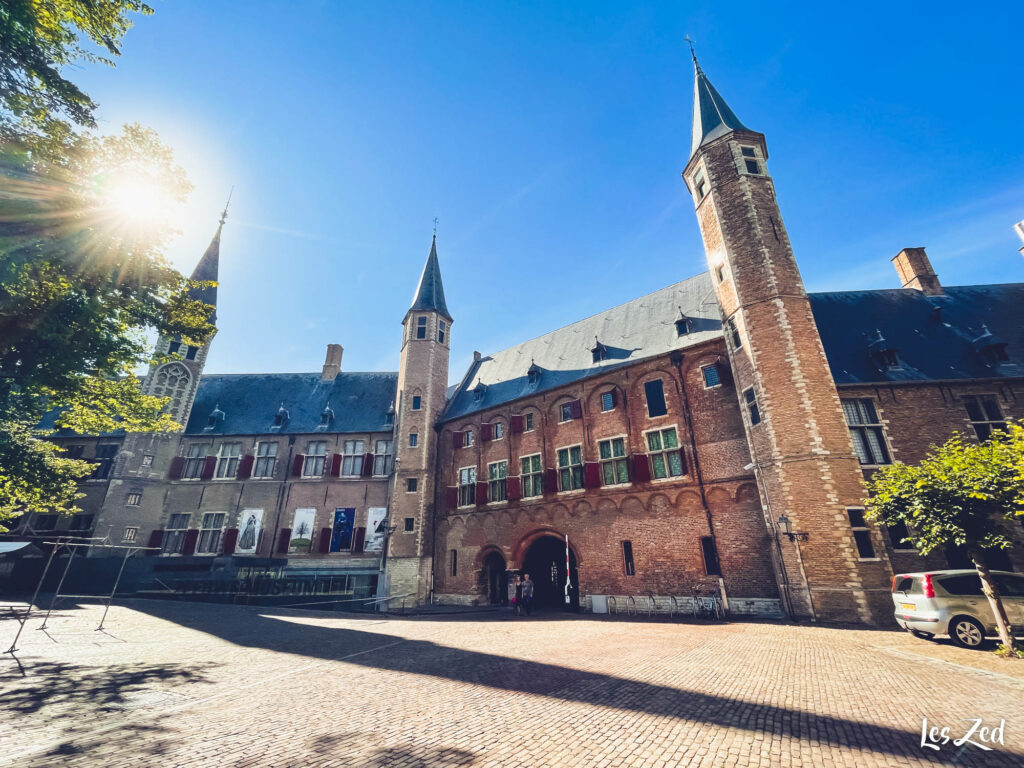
430,291
206,271
711,115
360,402
937,338
639,329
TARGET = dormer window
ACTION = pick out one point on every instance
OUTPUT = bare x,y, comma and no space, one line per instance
479,391
281,417
326,416
421,327
599,352
533,374
682,325
389,416
989,347
216,417
885,357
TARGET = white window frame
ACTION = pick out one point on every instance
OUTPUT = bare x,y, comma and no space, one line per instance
877,427
209,539
383,460
471,485
312,462
611,395
651,454
178,533
267,461
704,377
414,439
862,529
147,460
614,460
133,499
352,452
497,431
563,409
195,459
470,439
570,467
528,425
987,423
131,533
497,486
535,479
227,462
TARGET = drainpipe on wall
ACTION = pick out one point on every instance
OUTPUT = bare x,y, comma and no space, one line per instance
676,358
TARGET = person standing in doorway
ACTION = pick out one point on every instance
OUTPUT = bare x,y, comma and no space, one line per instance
517,597
527,593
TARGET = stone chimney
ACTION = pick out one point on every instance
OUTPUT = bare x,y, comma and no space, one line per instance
915,271
332,363
1019,229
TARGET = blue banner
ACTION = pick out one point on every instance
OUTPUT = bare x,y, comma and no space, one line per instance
341,535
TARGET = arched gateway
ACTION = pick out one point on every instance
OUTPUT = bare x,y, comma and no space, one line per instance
543,556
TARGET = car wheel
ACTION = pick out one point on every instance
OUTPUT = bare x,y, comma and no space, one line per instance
966,632
922,635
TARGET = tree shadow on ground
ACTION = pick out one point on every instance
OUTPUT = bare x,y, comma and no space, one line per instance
371,756
247,627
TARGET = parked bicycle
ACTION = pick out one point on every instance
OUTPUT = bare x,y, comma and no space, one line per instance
707,607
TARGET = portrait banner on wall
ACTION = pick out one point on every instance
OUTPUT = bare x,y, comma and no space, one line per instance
341,534
302,530
250,522
375,517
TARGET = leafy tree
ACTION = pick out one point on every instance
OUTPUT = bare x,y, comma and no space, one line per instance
38,38
80,286
963,494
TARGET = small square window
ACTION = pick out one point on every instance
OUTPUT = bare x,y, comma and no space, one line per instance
527,422
607,401
417,402
752,166
130,534
711,376
747,152
565,412
411,484
410,524
133,499
414,439
147,459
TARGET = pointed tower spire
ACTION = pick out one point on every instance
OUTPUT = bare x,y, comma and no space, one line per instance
209,265
430,292
712,117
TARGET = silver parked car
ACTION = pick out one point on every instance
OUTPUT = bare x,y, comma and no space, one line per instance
952,603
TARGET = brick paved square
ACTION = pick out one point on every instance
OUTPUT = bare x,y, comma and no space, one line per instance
191,684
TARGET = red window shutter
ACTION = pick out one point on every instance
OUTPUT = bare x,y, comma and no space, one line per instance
297,465
641,468
515,424
188,544
515,490
485,432
177,467
156,538
724,371
550,480
576,409
245,467
367,464
591,475
230,539
283,537
453,496
358,539
209,465
457,439
481,492
336,465
325,540
615,398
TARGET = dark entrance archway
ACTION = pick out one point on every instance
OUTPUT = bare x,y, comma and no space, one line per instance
545,562
493,577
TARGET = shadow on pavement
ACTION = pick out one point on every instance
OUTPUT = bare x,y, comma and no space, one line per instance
246,627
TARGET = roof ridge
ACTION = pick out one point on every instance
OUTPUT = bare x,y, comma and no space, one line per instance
302,373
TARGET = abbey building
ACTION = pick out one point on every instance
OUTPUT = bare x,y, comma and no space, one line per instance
712,435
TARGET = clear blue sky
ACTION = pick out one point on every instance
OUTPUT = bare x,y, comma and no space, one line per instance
548,138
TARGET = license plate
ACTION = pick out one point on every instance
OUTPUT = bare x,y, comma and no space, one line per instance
907,606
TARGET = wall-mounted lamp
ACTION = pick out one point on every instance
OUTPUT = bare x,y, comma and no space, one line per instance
793,535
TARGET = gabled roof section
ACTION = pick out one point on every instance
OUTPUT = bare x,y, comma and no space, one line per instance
430,292
639,329
250,401
934,338
712,117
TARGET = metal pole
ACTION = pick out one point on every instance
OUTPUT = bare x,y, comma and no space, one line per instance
128,553
14,643
74,551
568,573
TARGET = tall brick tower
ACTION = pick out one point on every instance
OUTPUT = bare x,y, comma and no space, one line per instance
422,383
800,444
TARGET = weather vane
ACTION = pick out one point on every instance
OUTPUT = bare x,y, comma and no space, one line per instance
693,53
224,215
435,226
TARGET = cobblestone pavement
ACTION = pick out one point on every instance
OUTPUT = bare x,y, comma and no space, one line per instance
189,684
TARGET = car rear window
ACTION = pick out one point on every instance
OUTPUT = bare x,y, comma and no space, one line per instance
967,584
906,584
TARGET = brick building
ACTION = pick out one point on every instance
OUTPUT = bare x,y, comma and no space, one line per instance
711,435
